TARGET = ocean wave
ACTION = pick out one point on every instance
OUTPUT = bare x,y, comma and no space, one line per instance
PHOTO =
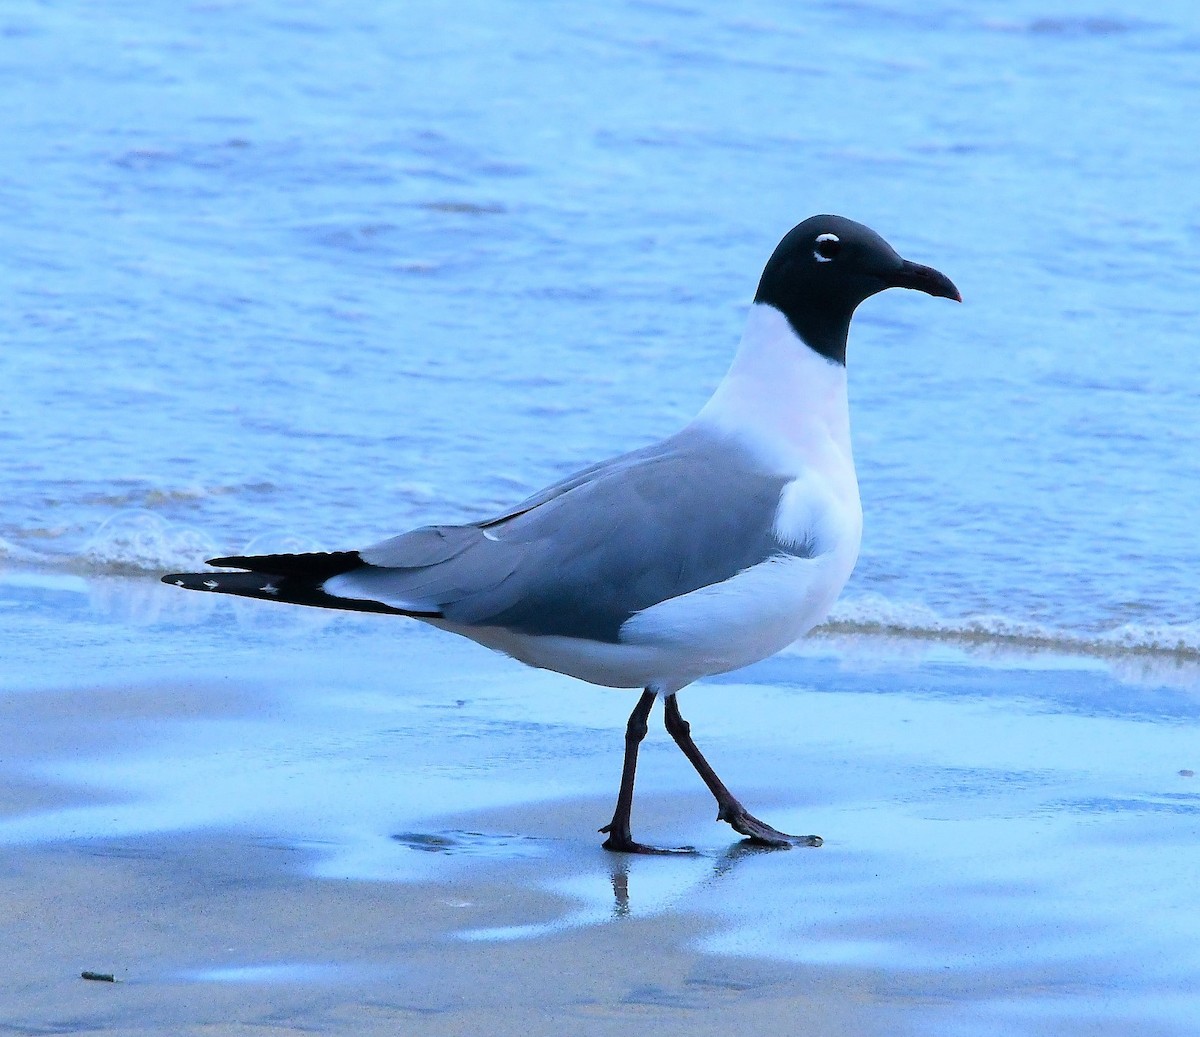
14,553
873,614
139,497
135,541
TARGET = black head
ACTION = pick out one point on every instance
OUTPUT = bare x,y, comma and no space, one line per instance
826,266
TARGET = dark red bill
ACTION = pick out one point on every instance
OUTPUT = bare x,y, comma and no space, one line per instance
925,279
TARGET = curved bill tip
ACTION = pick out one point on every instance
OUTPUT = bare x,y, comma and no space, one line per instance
925,279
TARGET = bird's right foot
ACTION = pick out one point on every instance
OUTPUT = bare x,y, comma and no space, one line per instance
623,842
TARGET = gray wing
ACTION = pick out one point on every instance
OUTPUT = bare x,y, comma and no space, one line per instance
581,557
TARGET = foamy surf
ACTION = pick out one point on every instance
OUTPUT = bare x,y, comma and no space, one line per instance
140,541
876,615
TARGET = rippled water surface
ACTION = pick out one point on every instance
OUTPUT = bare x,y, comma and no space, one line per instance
310,275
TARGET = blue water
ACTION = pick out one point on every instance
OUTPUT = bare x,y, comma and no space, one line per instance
308,275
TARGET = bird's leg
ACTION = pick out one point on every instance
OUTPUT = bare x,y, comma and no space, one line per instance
619,837
728,807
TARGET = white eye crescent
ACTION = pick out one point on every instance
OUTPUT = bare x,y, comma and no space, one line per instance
826,247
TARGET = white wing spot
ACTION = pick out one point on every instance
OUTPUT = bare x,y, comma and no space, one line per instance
179,583
211,584
268,588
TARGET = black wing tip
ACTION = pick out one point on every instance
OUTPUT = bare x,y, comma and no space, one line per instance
231,562
316,566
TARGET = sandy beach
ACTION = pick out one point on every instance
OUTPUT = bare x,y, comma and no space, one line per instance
365,827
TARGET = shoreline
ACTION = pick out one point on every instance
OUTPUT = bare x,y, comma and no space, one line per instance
874,626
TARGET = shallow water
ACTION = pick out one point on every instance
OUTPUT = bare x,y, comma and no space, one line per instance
307,278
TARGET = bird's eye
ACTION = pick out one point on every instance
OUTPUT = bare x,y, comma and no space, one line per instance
827,246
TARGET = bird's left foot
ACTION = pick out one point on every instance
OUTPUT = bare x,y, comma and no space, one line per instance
761,833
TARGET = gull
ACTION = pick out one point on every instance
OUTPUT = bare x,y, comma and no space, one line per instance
700,554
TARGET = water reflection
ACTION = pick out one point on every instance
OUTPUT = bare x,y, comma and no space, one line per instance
628,877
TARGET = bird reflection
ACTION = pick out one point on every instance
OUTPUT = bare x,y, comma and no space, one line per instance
619,876
721,865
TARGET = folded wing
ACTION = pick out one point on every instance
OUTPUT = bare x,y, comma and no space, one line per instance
577,559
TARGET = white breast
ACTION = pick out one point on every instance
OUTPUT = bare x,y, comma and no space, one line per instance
789,406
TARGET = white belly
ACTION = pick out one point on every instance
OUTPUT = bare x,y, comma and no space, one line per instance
711,630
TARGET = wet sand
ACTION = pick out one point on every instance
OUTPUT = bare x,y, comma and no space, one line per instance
221,935
367,828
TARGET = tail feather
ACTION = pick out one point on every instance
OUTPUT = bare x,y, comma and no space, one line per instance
296,579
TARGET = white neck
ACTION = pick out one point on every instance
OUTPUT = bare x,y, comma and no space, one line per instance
781,398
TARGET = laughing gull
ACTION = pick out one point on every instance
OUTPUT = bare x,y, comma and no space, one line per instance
703,553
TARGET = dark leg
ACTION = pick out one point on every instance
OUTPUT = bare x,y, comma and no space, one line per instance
619,838
728,808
